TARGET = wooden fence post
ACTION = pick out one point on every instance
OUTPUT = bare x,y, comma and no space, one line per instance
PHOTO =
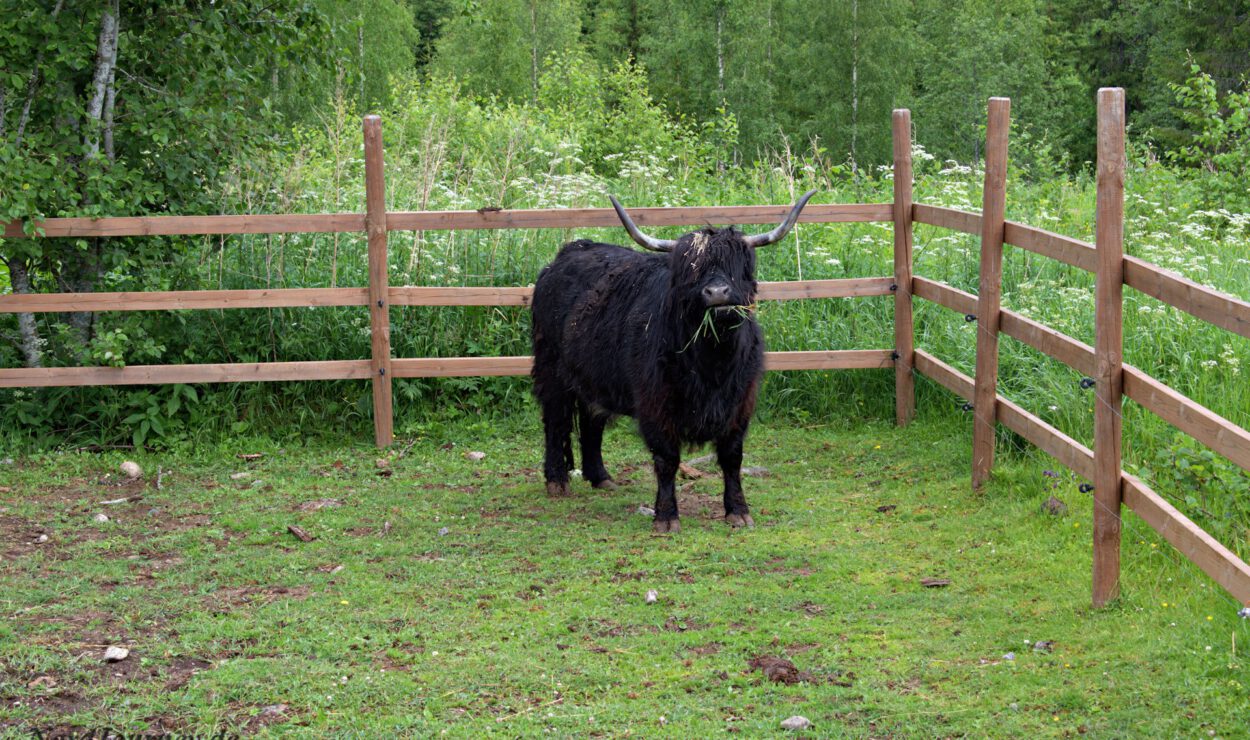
993,213
904,377
1108,344
379,304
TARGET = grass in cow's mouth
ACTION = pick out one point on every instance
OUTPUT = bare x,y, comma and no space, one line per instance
707,325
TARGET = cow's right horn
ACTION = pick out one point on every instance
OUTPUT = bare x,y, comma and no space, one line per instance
779,233
650,242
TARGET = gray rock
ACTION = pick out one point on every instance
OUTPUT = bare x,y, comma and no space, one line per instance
101,518
443,532
115,654
646,510
1009,656
797,722
652,596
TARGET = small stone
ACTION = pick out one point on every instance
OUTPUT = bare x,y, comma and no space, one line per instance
131,469
475,455
101,518
646,510
797,722
1044,646
652,596
240,476
1014,707
115,654
443,532
41,539
757,471
1009,656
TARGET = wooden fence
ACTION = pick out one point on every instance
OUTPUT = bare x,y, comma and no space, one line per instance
1102,465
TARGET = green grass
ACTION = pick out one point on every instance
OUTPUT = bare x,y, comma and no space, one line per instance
527,616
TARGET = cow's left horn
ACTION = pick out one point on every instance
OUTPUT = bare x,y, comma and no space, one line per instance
650,242
779,233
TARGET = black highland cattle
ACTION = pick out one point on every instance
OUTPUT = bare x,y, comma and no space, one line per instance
669,339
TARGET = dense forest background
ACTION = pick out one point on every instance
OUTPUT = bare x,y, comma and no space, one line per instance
185,106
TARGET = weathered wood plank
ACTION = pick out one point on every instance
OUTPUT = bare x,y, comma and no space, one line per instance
1049,244
567,218
1108,345
177,300
1192,418
944,295
1210,305
279,223
379,295
947,218
989,293
164,374
441,367
1203,550
769,291
904,379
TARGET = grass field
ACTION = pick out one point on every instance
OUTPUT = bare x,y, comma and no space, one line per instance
444,594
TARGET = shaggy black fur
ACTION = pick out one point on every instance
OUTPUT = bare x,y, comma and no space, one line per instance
620,332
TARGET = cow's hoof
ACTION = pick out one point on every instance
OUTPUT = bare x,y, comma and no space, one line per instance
737,521
557,489
607,484
666,526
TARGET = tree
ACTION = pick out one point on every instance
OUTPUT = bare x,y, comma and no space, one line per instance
130,108
497,47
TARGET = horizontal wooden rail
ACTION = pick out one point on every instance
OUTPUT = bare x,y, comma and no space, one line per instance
567,218
1067,250
948,218
294,223
399,296
183,299
1046,437
434,367
1208,304
1187,415
1190,417
161,374
1217,561
484,296
544,218
425,367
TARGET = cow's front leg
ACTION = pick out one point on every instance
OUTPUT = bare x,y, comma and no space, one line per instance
729,455
666,453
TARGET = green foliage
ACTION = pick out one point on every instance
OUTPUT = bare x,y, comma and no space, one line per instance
1219,141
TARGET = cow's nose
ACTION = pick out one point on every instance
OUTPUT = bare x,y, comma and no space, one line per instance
716,294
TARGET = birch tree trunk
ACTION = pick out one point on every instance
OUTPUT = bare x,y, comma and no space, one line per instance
98,127
19,277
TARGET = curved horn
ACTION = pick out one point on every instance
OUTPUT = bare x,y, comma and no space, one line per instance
779,233
650,242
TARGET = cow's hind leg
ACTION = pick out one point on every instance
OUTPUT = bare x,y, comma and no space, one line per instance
558,428
729,455
591,426
666,453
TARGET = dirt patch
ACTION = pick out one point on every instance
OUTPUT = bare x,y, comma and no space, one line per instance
684,624
180,672
777,565
251,719
711,648
226,599
691,502
780,670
